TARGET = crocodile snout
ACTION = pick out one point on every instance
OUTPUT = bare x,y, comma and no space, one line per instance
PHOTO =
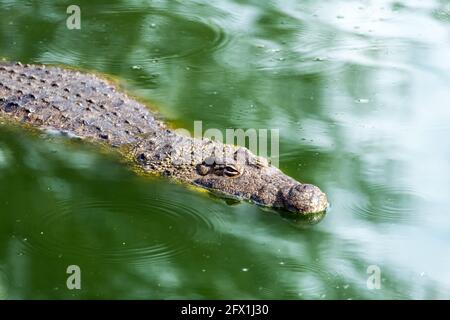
305,198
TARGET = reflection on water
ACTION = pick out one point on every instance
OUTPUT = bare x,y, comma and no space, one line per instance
358,90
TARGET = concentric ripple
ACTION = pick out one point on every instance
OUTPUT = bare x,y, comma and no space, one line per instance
387,204
154,229
152,29
312,280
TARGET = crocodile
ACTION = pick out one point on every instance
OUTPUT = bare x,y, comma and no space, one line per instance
91,107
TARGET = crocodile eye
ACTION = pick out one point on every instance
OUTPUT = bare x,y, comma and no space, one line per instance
232,170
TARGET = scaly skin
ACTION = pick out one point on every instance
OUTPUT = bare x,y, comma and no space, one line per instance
91,108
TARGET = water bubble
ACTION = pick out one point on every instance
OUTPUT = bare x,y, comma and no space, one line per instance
362,100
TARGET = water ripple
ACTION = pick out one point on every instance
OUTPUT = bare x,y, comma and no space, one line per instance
154,229
387,204
150,31
313,280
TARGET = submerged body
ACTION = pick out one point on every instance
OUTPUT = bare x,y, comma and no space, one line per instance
91,108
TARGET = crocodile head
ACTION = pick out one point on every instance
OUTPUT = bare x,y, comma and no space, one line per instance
253,178
229,171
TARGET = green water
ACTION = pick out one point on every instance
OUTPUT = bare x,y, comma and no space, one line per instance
359,91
